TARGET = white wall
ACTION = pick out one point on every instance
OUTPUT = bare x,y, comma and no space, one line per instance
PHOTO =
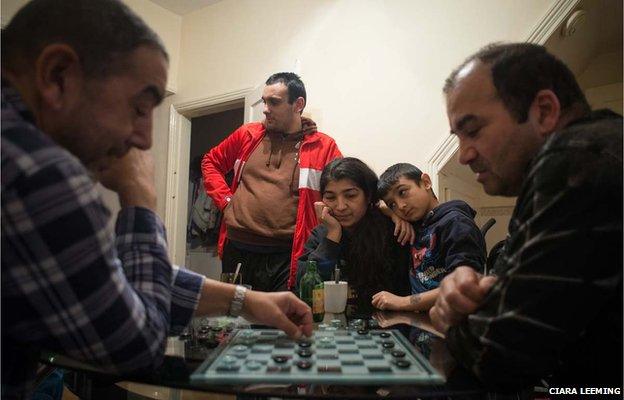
167,24
169,27
373,69
8,8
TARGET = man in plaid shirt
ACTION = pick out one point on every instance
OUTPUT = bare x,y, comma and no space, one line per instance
80,79
554,312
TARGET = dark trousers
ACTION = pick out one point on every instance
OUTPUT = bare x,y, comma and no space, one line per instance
267,272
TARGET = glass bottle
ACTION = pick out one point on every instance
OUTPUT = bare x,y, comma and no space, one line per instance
312,291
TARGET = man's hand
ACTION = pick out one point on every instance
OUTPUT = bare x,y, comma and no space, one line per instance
387,301
461,293
132,177
324,216
282,310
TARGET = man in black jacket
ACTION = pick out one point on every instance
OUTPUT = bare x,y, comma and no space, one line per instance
555,310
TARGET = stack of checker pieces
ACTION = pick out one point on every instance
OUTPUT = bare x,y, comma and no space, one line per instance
331,356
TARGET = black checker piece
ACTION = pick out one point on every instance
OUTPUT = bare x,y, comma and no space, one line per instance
388,344
305,344
398,354
384,335
402,363
306,353
280,359
304,364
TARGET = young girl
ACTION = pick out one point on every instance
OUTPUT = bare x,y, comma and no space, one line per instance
353,229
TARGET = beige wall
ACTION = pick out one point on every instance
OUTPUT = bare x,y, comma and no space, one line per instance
602,81
8,8
167,24
373,69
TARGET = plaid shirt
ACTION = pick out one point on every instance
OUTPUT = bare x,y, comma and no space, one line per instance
69,284
556,310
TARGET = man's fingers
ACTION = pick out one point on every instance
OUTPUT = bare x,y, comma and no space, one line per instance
302,312
486,283
438,320
466,282
459,303
285,324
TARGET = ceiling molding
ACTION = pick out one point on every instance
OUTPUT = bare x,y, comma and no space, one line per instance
555,16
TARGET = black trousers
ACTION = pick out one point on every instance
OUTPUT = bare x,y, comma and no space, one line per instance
267,272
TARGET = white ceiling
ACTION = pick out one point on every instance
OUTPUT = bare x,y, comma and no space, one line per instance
182,7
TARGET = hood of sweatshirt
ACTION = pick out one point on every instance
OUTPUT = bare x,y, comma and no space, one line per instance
448,208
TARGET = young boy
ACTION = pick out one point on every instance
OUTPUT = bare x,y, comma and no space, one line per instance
446,236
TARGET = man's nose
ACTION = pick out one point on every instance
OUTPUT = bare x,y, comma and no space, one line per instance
142,136
467,153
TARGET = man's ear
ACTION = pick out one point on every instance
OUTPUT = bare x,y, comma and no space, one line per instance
299,104
546,111
425,180
58,74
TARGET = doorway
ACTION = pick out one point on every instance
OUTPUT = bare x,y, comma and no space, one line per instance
203,217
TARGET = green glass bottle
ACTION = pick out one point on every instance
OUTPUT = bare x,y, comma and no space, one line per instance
312,291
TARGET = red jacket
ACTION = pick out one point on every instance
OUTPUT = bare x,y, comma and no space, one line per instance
317,150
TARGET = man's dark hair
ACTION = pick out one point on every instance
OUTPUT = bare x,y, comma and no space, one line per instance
295,85
519,71
391,176
99,31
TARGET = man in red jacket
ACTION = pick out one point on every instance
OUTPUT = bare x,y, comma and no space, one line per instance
269,206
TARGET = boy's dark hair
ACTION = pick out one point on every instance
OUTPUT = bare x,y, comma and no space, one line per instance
295,85
519,71
391,176
99,31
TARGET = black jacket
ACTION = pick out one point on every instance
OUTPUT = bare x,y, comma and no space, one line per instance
446,238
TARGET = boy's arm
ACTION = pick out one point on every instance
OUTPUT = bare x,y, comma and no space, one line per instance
403,230
462,244
415,302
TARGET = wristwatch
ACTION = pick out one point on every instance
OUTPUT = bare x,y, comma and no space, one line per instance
236,306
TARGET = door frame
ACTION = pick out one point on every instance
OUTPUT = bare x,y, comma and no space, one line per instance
544,29
176,191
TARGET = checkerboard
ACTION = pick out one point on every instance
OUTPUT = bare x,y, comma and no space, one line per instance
332,356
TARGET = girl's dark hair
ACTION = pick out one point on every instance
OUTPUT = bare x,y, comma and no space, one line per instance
370,241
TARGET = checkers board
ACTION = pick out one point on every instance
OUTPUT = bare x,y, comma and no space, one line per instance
337,356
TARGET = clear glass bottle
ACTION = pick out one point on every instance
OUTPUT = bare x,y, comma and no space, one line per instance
312,291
